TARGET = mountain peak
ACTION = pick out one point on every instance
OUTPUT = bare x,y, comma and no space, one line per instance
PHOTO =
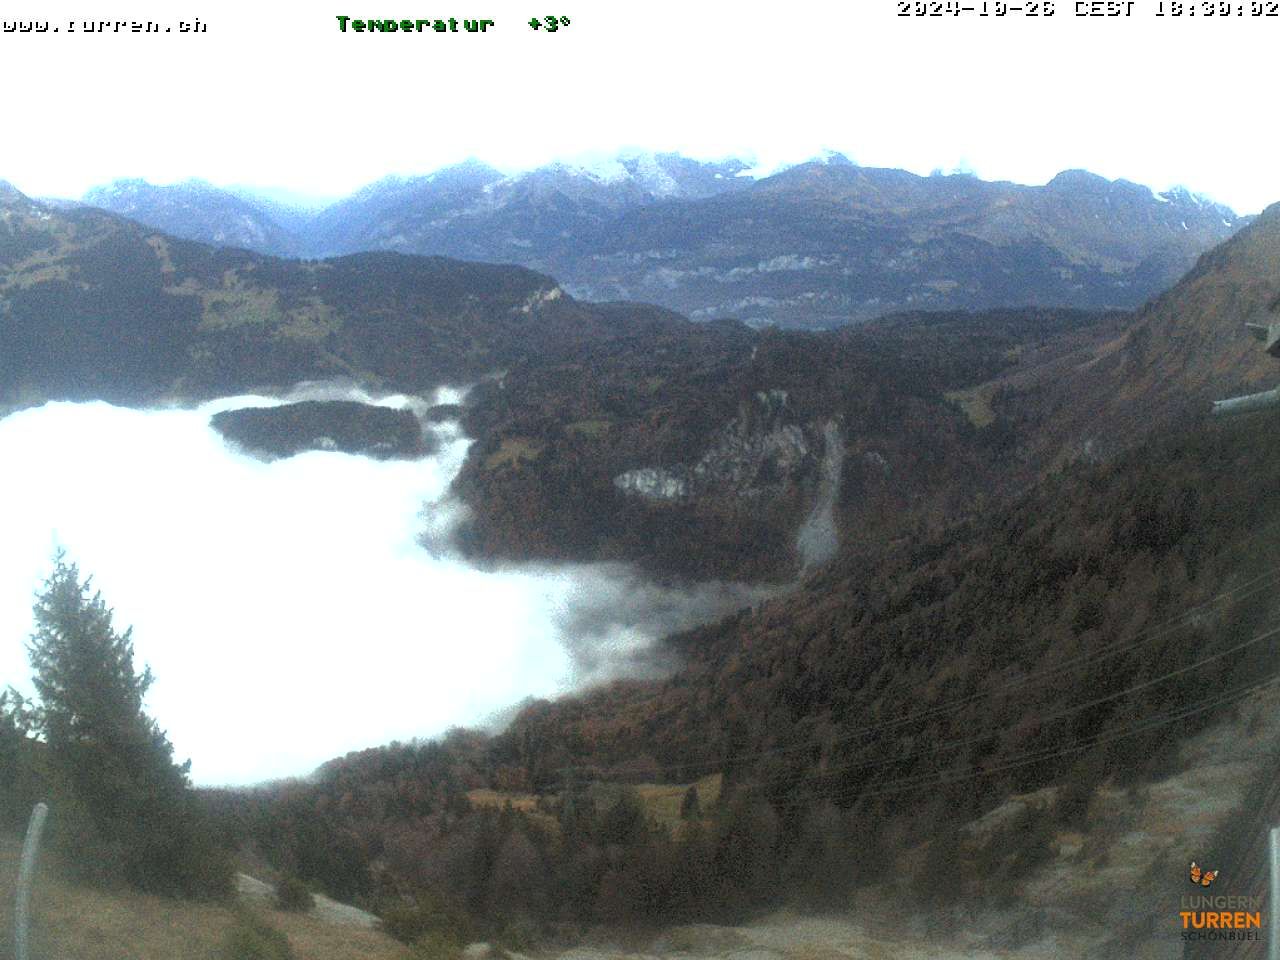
1189,198
1077,179
646,173
602,169
138,187
471,170
833,158
11,194
118,186
197,210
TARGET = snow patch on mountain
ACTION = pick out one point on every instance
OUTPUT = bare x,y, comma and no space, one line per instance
654,177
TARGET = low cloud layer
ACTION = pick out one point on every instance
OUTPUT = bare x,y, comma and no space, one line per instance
288,609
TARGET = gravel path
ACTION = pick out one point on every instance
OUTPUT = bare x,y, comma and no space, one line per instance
331,911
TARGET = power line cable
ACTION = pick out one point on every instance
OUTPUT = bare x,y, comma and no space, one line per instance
1250,587
932,780
1049,718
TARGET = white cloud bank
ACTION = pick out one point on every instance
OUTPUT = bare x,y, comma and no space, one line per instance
286,608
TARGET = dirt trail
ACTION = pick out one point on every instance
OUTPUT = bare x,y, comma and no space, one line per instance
251,888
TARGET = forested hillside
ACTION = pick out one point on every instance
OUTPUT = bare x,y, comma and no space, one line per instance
554,437
1073,638
1182,350
580,413
93,306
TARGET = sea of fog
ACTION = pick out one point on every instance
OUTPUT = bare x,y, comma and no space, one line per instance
295,610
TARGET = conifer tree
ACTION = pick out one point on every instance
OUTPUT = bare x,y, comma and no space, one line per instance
19,779
123,801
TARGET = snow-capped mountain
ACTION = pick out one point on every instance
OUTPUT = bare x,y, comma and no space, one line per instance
197,210
815,244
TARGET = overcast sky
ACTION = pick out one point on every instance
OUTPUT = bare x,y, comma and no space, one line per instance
274,95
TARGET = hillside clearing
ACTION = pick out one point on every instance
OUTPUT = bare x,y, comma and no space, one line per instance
71,922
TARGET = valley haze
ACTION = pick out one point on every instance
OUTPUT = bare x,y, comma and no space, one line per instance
237,574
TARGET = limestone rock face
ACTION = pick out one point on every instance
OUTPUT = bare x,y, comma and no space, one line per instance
654,483
758,452
761,457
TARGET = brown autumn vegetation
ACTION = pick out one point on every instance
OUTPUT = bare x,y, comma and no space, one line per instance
912,456
1076,637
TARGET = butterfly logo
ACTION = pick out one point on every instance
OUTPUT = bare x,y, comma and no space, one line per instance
1202,877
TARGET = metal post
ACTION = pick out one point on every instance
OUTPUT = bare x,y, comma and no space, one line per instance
1246,404
1268,333
25,873
1273,944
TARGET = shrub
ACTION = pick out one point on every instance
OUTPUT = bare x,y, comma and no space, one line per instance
292,895
20,781
427,917
83,855
690,807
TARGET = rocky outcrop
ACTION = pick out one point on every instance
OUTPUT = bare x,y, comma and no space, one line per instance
758,452
758,456
655,483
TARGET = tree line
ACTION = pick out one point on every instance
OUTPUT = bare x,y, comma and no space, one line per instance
122,810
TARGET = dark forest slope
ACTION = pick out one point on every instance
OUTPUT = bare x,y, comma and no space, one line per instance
1073,639
743,420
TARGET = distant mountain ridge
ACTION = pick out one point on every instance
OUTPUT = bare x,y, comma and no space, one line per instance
814,245
577,410
1181,351
95,306
197,210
